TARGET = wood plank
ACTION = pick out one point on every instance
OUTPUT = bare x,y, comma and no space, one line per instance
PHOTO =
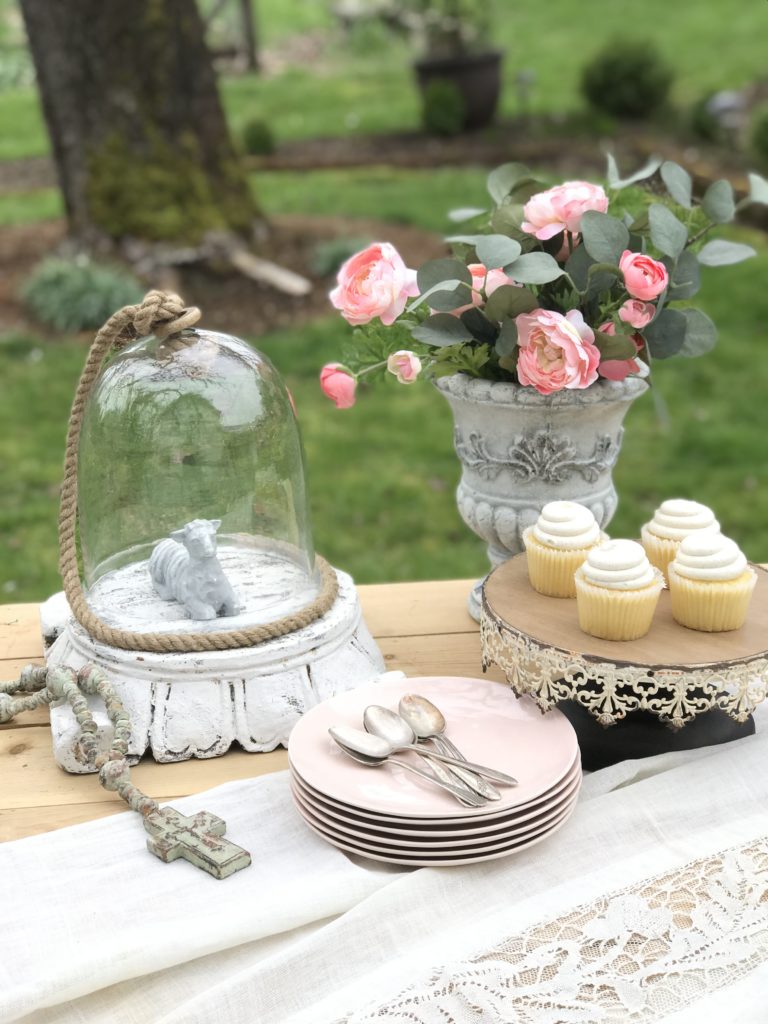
20,822
417,609
447,655
20,632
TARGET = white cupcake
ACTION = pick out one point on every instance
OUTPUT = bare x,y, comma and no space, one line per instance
557,544
617,590
672,522
710,584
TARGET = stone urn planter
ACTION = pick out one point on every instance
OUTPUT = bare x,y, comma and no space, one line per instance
477,77
519,449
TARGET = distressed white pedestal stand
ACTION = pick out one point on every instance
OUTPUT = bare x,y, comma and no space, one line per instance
197,705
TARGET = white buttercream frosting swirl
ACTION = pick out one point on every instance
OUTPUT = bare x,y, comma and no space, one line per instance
619,565
709,556
677,518
566,524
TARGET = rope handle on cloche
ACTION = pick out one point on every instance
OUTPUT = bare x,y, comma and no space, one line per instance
161,314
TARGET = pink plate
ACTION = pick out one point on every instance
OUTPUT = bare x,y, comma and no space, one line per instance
423,860
433,843
354,823
486,721
478,821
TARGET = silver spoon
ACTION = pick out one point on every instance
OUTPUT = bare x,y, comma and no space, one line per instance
343,735
478,769
392,727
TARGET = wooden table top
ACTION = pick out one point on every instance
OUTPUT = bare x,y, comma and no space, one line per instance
421,629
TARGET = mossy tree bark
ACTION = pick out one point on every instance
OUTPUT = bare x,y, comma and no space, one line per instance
138,132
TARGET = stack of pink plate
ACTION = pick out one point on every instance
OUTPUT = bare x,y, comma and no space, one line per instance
389,814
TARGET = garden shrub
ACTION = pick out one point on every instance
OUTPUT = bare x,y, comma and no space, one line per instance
759,135
78,294
443,108
629,80
704,124
258,139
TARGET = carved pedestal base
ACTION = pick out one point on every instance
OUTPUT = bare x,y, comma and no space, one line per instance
198,705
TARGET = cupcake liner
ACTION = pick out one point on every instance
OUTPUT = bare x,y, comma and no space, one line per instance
660,550
551,570
711,606
616,614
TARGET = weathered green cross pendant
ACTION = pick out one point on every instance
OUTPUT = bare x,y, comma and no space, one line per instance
197,839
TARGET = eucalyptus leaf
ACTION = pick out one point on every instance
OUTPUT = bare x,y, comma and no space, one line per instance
508,218
465,213
479,326
535,268
719,253
758,188
441,329
612,171
645,172
719,203
445,296
506,342
668,234
503,179
577,267
510,301
700,334
523,190
440,272
605,238
615,346
665,334
497,251
678,182
685,277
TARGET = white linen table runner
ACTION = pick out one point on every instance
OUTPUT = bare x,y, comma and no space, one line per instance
650,905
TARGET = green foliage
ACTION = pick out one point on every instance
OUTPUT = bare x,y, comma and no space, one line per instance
78,295
257,137
704,124
328,256
759,135
627,80
443,108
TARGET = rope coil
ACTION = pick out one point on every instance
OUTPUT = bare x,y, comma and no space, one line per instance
161,314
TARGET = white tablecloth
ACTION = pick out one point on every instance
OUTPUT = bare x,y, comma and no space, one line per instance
650,905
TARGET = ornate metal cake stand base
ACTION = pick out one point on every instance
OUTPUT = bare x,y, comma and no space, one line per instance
674,689
196,705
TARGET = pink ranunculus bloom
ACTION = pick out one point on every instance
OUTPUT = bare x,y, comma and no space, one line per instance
645,278
618,369
405,365
374,283
556,351
637,314
483,280
561,208
338,384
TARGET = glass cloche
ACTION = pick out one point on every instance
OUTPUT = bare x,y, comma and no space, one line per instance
197,428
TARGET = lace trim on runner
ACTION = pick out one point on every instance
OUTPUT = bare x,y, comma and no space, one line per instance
631,957
610,692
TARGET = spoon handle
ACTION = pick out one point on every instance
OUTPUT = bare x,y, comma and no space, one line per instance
456,777
478,769
464,795
475,782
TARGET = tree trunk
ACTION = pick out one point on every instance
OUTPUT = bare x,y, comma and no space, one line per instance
139,137
250,35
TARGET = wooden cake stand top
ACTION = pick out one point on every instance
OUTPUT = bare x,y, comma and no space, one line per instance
673,671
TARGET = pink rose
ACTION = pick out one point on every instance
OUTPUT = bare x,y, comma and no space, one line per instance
561,208
618,369
644,277
482,280
338,384
374,283
556,351
637,314
405,365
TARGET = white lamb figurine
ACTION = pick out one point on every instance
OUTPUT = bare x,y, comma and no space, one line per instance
184,567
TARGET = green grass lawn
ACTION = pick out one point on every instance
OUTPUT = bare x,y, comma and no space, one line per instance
382,474
364,83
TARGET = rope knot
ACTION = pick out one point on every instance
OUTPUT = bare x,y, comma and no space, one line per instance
163,313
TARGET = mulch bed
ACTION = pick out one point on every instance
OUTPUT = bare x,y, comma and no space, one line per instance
229,300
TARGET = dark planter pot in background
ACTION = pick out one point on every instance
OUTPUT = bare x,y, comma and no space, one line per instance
477,77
